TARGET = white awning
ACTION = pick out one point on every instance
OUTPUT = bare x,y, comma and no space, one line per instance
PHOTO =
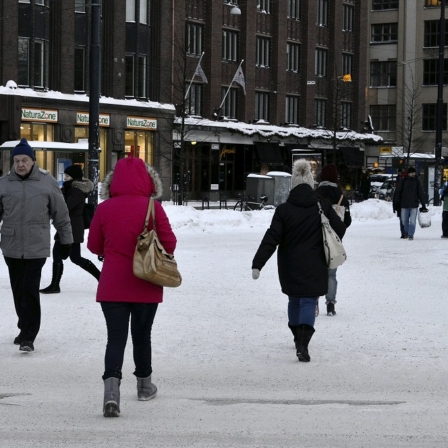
48,146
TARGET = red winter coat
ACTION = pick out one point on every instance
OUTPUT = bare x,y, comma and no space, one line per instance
116,225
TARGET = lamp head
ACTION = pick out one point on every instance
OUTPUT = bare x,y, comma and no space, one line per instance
235,11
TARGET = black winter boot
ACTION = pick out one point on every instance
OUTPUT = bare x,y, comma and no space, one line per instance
58,269
303,334
330,309
92,269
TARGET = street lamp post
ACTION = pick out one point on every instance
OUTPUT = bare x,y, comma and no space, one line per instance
440,116
94,100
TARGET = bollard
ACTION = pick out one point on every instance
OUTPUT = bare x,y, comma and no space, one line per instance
205,202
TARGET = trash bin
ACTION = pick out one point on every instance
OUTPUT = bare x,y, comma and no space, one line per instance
258,185
282,186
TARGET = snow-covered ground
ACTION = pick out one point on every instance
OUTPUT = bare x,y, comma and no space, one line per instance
223,357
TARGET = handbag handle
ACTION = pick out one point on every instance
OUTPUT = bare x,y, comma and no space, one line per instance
340,200
150,213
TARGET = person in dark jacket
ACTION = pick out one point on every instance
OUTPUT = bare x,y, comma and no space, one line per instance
75,190
365,184
29,198
296,230
409,193
331,191
397,207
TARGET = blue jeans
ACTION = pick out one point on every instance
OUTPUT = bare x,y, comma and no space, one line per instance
117,316
302,310
332,286
409,217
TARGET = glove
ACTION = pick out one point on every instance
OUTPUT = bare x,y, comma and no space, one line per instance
423,209
65,251
255,273
100,258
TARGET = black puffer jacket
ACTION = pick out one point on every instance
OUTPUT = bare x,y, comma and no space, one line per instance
409,193
331,192
297,231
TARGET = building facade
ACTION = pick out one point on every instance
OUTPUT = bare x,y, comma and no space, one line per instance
45,72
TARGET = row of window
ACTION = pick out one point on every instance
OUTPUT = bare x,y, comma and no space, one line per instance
384,117
378,5
388,32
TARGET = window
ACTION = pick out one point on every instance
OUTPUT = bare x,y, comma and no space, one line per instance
322,12
431,72
141,77
230,107
320,112
431,38
293,53
39,63
294,9
348,13
229,45
262,106
383,117
194,100
292,109
383,74
430,117
432,3
80,5
347,64
24,61
79,70
130,10
194,39
264,6
384,4
346,115
39,2
263,51
129,81
320,62
143,11
386,32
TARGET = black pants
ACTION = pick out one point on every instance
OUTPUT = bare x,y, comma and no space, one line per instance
75,254
117,316
445,223
24,276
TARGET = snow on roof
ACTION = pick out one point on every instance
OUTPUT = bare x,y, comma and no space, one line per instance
266,131
51,94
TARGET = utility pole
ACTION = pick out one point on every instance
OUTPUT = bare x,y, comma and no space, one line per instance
440,117
94,102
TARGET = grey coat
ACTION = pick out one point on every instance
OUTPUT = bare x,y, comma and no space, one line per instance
26,207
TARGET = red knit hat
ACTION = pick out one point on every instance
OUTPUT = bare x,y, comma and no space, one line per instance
329,173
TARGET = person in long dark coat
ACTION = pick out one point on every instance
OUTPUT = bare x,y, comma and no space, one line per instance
296,229
331,191
75,190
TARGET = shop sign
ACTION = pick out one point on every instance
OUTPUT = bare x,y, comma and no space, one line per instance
141,123
49,116
385,150
83,118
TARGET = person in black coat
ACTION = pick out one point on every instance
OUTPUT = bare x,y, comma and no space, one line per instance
409,193
396,207
296,230
75,190
329,190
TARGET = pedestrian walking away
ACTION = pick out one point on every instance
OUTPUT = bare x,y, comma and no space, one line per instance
409,193
29,198
444,199
396,207
365,184
113,234
75,190
330,190
296,233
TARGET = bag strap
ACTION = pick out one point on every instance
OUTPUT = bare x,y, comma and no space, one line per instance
340,200
150,213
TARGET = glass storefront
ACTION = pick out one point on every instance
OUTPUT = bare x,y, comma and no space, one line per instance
139,144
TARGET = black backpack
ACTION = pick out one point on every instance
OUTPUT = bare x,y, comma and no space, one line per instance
87,214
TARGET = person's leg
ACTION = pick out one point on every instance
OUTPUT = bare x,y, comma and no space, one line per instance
403,232
305,329
412,221
84,263
117,322
57,271
405,219
16,269
142,318
445,224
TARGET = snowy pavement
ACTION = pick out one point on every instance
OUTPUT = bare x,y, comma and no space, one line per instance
223,357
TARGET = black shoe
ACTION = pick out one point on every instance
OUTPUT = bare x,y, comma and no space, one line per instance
302,353
17,339
411,238
330,309
444,236
404,236
26,346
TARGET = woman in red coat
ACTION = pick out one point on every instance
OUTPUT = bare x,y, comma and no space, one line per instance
113,235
